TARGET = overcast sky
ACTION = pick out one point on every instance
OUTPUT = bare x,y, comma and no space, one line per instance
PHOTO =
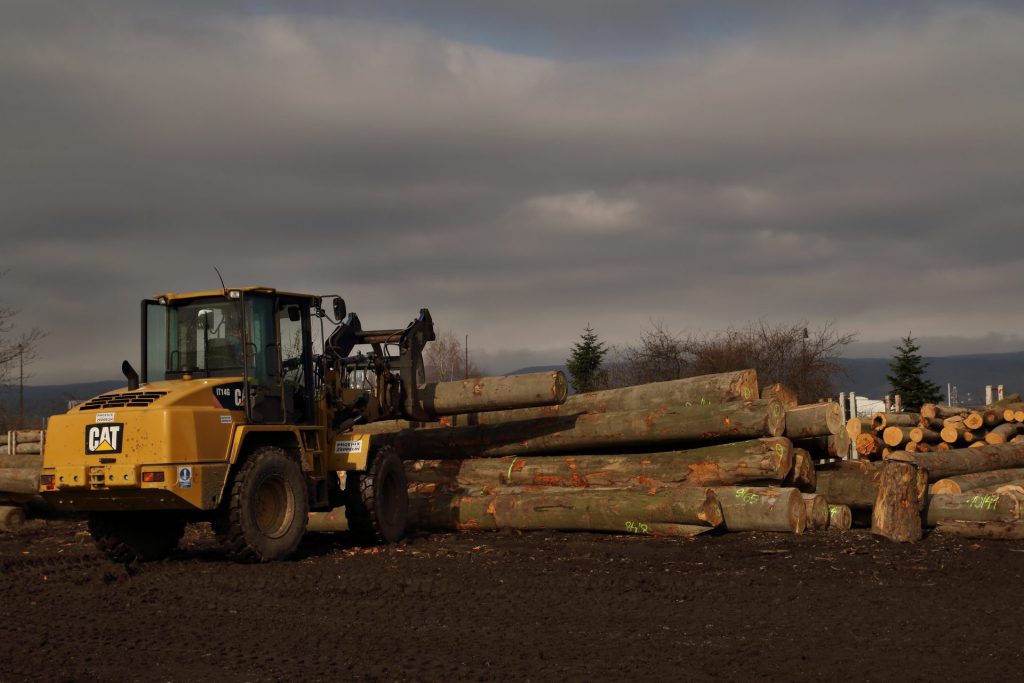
523,169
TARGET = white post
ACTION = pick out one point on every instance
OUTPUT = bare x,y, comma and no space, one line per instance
949,393
899,403
842,406
999,392
988,394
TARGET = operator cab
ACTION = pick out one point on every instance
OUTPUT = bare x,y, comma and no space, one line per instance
256,334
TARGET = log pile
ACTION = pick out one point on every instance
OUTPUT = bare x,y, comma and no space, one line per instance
937,428
20,461
669,458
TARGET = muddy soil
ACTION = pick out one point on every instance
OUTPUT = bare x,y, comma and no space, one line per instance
515,607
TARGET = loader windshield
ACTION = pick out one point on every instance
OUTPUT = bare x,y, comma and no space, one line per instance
204,335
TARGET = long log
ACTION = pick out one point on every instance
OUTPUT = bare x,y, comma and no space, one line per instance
1010,412
333,520
731,463
727,387
494,393
783,394
762,509
21,481
28,436
897,511
991,530
973,507
816,511
31,448
21,461
840,517
941,411
626,430
816,419
992,417
611,510
1003,433
853,483
880,421
932,423
897,436
984,458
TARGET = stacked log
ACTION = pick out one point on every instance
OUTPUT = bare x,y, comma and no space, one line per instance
20,461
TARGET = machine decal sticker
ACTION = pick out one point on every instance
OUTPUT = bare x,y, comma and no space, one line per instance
104,439
341,446
225,419
184,477
230,396
104,417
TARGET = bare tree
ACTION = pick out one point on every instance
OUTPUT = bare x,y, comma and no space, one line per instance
445,359
804,359
17,351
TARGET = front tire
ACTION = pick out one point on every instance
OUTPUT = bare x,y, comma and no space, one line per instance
377,501
136,536
267,508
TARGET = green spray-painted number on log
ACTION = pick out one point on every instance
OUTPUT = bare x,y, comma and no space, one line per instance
637,528
747,496
703,402
983,502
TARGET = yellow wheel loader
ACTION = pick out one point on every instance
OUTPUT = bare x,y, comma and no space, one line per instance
240,415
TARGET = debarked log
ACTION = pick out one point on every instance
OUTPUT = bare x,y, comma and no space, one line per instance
494,393
611,510
880,421
973,507
731,463
608,431
853,483
824,447
726,387
762,509
816,419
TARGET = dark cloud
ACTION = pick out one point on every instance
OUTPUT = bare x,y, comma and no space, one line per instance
711,164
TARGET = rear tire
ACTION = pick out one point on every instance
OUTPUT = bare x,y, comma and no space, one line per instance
137,536
267,508
377,501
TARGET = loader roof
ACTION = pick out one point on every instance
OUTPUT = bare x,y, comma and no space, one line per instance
178,296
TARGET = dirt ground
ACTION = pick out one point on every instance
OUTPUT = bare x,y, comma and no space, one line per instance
515,607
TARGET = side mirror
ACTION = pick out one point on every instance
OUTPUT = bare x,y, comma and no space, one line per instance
294,314
339,308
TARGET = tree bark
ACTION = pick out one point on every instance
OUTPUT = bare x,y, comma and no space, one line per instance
973,507
840,517
762,509
897,511
783,394
853,483
633,430
21,462
984,458
611,510
727,387
333,520
732,463
816,419
28,436
816,511
803,476
990,530
494,393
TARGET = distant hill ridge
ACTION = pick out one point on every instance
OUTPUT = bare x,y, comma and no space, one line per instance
865,376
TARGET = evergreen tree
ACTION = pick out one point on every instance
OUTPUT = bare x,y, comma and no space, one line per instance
907,377
584,362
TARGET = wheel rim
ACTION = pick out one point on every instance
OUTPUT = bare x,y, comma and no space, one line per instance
275,507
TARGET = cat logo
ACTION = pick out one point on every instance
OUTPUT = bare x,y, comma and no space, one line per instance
103,438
